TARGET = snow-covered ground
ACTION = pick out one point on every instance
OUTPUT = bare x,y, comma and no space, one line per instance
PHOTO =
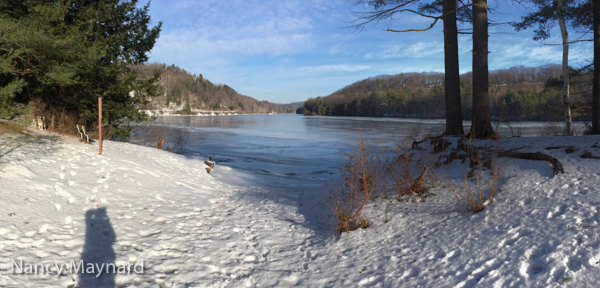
62,203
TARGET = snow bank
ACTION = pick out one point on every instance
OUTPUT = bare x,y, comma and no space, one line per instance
62,203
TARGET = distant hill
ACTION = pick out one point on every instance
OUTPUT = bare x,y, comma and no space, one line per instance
296,106
517,93
293,104
184,93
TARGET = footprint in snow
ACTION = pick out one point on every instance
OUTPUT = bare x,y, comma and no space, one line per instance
516,237
573,262
558,273
558,211
438,255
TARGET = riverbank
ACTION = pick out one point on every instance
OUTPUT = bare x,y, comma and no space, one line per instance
169,112
63,202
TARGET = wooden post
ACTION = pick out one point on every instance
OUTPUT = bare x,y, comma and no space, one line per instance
100,124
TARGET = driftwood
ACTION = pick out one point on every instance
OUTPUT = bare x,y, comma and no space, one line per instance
537,156
587,154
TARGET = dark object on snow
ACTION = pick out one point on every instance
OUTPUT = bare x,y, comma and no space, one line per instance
571,149
210,164
555,147
587,154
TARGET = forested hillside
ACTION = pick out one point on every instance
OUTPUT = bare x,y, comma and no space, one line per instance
517,93
180,92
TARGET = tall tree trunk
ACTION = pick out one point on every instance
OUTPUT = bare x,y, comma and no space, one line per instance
454,125
565,69
481,126
596,85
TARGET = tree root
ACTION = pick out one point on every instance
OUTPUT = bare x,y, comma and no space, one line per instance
472,153
537,156
587,154
439,144
555,147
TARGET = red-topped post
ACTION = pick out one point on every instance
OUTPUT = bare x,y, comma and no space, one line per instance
100,123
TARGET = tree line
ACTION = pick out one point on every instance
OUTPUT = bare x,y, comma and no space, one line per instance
517,93
185,92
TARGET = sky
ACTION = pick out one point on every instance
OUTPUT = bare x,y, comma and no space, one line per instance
287,51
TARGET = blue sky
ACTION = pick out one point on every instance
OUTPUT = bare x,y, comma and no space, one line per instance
285,51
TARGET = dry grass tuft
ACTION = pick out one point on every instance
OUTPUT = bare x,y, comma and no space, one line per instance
360,173
476,188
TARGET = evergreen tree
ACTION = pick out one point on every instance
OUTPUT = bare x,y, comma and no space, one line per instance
68,53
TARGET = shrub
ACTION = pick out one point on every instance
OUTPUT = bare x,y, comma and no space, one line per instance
399,170
360,175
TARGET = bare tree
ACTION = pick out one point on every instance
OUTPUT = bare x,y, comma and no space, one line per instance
565,67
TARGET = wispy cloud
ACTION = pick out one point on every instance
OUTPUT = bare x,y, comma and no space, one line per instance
530,53
341,67
416,50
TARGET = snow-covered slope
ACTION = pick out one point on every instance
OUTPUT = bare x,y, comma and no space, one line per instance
62,203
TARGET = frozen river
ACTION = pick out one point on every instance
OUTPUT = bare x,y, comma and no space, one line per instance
295,149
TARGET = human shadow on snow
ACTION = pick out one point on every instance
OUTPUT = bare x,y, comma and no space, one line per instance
98,250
